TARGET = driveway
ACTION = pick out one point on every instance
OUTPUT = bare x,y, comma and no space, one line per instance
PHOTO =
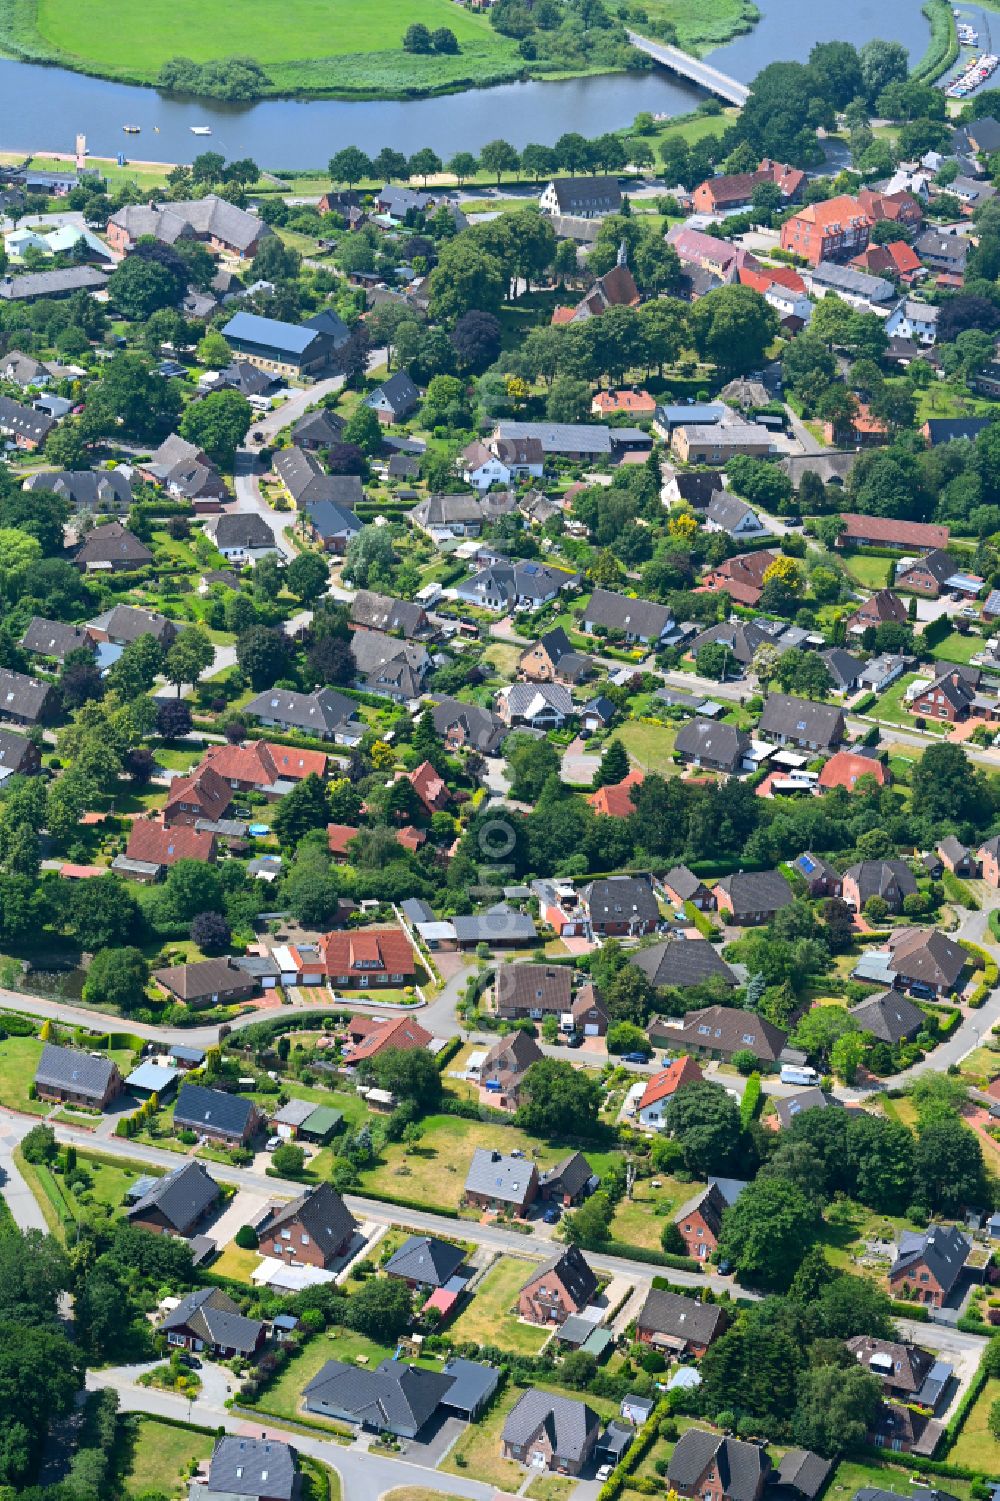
242,1209
20,1200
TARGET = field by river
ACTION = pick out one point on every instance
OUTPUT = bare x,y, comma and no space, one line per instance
310,47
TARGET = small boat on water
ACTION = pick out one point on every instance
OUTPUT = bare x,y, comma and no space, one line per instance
201,130
131,130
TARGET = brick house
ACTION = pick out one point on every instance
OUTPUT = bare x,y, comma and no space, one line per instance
681,885
719,1032
622,906
676,1325
928,575
957,857
76,1078
828,231
700,1219
553,659
202,794
549,1432
532,991
209,1320
988,855
951,696
369,957
259,766
749,898
892,880
882,608
313,1230
718,1468
174,1204
229,1118
505,1066
563,1286
568,1181
928,1264
741,577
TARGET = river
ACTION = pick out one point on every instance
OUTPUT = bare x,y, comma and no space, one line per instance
43,108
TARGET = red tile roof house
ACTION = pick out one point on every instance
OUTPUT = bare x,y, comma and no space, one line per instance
661,1089
637,403
616,801
369,957
883,607
400,1032
565,1285
895,260
431,789
203,794
882,531
733,190
828,231
260,766
901,208
338,837
313,1230
150,844
988,855
844,769
742,577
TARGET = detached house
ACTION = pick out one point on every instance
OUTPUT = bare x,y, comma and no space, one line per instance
715,1468
523,991
699,1220
719,1032
23,700
504,1067
230,1118
72,1077
676,1325
395,399
313,1230
562,1287
368,957
113,549
928,1264
661,1089
749,898
174,1204
540,706
548,1432
892,880
202,794
497,1182
581,197
638,620
208,982
209,1320
799,721
553,659
622,907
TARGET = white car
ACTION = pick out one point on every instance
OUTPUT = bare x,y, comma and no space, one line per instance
272,1142
604,1473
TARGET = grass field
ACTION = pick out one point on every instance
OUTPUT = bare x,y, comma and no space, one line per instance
488,1319
650,746
976,1447
18,1062
434,1172
285,1396
958,648
161,1457
636,1220
890,707
870,573
329,47
850,1477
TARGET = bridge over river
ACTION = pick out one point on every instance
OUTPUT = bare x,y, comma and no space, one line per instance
692,68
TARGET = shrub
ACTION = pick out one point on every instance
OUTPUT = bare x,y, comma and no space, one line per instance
247,1238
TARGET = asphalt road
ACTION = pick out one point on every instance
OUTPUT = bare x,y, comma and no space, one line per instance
536,1246
364,1476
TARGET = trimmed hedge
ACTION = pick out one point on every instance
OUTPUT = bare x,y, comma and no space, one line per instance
447,1053
750,1103
633,1457
629,1252
915,1311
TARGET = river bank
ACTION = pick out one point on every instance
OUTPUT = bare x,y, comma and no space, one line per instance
44,107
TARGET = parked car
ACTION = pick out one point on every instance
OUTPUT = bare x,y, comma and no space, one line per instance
635,1058
604,1473
552,1214
272,1143
191,1361
574,1040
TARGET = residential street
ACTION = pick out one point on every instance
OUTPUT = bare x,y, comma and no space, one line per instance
365,1476
537,1246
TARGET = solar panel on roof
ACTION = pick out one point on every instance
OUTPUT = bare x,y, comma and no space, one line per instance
807,865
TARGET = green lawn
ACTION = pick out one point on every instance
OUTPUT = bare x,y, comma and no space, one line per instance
869,572
850,1477
337,45
479,1449
285,1396
650,746
434,1172
639,1221
890,706
236,1263
18,1063
976,1447
161,1457
958,648
488,1319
